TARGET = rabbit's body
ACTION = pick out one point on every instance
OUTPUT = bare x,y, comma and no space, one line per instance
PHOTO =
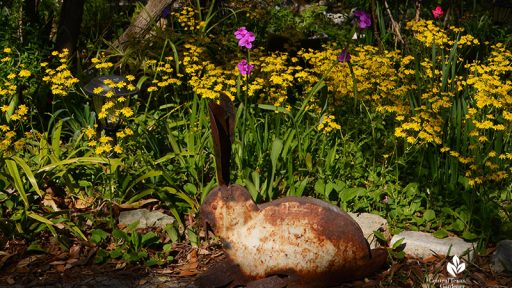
310,241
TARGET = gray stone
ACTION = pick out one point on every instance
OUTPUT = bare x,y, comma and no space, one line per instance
369,223
421,244
501,259
146,218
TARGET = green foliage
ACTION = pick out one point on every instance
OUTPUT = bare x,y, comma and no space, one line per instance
131,246
307,125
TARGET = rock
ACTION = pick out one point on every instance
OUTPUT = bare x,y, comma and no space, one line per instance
146,218
421,244
501,259
369,223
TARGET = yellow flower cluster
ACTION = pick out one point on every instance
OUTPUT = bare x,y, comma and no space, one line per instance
163,72
277,76
430,34
14,110
187,19
105,144
101,63
490,116
327,124
206,79
421,127
60,79
115,107
6,57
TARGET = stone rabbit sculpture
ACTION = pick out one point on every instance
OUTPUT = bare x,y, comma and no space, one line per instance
290,242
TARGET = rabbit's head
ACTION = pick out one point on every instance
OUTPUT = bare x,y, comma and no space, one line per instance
226,208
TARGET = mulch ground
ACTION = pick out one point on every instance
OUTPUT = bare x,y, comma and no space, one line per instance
77,269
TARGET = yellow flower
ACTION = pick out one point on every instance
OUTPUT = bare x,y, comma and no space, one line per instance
22,110
24,73
127,111
97,90
105,139
5,108
7,50
90,132
118,149
128,131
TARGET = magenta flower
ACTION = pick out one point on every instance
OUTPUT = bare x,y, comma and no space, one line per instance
363,19
438,12
344,56
244,67
245,38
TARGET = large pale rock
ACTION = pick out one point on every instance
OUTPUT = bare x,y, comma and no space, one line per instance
501,259
421,244
146,218
369,223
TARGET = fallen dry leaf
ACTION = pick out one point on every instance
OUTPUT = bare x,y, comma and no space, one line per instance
84,203
49,202
29,260
4,256
74,251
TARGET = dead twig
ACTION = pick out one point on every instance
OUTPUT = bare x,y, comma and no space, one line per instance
395,27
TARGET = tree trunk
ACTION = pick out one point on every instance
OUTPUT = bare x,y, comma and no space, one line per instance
142,24
69,25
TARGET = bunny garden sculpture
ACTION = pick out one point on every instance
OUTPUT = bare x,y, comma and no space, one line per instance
290,242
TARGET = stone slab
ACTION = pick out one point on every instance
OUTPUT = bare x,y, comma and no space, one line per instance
369,223
422,244
146,218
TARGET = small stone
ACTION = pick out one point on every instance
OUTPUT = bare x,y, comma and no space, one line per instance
501,259
422,245
146,218
369,223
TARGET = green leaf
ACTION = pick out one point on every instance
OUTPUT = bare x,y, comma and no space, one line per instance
116,233
348,194
277,147
458,226
57,129
469,236
172,232
39,218
28,173
397,243
319,186
429,215
118,252
149,238
379,235
12,169
98,235
440,234
167,248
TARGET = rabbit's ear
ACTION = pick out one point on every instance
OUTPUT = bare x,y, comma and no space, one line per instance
222,122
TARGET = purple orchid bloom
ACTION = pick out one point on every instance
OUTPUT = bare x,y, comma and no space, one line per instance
244,67
344,56
245,38
363,19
